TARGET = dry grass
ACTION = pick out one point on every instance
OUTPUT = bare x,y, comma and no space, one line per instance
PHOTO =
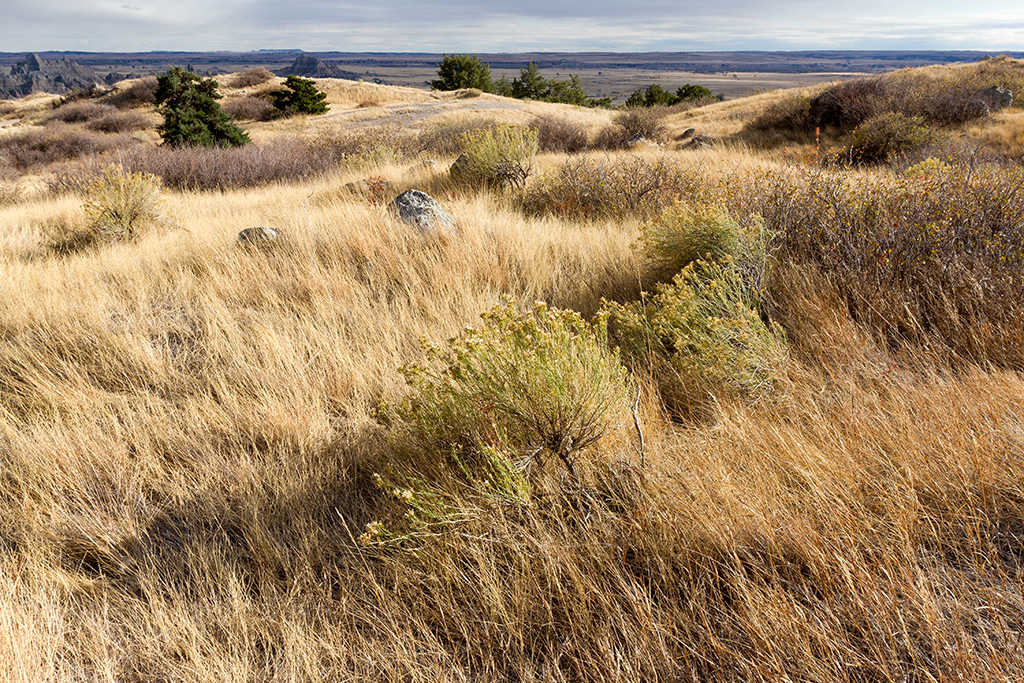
188,441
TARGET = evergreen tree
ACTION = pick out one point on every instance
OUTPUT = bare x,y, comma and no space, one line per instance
302,97
191,114
456,72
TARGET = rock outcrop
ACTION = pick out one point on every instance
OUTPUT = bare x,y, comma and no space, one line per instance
260,236
41,75
421,210
996,98
308,66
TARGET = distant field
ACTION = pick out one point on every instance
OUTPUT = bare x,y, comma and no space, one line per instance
614,75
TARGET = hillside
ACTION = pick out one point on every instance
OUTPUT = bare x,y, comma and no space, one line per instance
767,425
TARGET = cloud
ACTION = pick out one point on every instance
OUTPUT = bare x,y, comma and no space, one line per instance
488,26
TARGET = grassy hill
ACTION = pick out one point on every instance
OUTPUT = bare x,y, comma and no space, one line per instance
768,425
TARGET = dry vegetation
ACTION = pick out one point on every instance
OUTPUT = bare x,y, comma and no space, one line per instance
805,464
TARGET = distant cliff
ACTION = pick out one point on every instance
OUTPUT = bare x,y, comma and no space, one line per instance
308,66
40,75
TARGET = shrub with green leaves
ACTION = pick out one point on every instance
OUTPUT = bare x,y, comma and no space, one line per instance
500,156
302,97
492,407
191,114
702,336
702,333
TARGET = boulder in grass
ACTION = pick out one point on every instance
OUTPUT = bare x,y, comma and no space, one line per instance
419,209
996,98
259,236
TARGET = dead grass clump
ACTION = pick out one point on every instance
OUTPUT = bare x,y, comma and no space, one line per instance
138,93
560,134
252,108
585,188
56,142
250,77
80,112
218,168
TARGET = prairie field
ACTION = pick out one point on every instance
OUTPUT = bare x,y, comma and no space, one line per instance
720,393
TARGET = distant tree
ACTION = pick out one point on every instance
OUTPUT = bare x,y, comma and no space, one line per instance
302,97
689,93
456,72
654,95
191,114
530,85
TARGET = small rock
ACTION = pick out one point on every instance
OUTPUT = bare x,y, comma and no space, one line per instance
421,210
687,134
996,98
258,236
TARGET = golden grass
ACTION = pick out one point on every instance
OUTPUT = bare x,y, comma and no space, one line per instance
187,440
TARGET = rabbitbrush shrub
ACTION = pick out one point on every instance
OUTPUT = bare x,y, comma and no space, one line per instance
702,334
120,204
494,405
501,156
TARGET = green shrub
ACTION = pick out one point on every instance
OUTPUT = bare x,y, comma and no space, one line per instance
191,114
456,72
702,336
302,97
120,204
491,408
501,156
532,384
885,136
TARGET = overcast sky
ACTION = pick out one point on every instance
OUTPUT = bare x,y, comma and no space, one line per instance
509,25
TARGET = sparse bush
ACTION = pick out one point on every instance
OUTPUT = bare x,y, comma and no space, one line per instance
646,123
119,122
80,112
221,168
56,142
446,138
252,108
191,114
501,156
250,77
558,134
139,93
121,204
583,188
75,177
885,136
10,192
302,97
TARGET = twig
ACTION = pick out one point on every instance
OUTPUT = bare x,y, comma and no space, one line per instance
636,423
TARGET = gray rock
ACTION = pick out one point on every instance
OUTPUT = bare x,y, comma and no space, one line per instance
996,98
40,75
422,211
258,236
688,133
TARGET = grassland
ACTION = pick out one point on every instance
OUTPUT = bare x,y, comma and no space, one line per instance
212,467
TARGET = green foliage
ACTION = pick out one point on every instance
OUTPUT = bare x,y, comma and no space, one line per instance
532,86
702,336
456,72
489,409
885,136
499,156
654,95
191,114
302,97
702,333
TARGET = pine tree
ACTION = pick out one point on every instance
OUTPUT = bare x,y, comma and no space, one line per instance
303,97
191,113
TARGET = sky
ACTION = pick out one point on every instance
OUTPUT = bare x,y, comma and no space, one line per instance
504,26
